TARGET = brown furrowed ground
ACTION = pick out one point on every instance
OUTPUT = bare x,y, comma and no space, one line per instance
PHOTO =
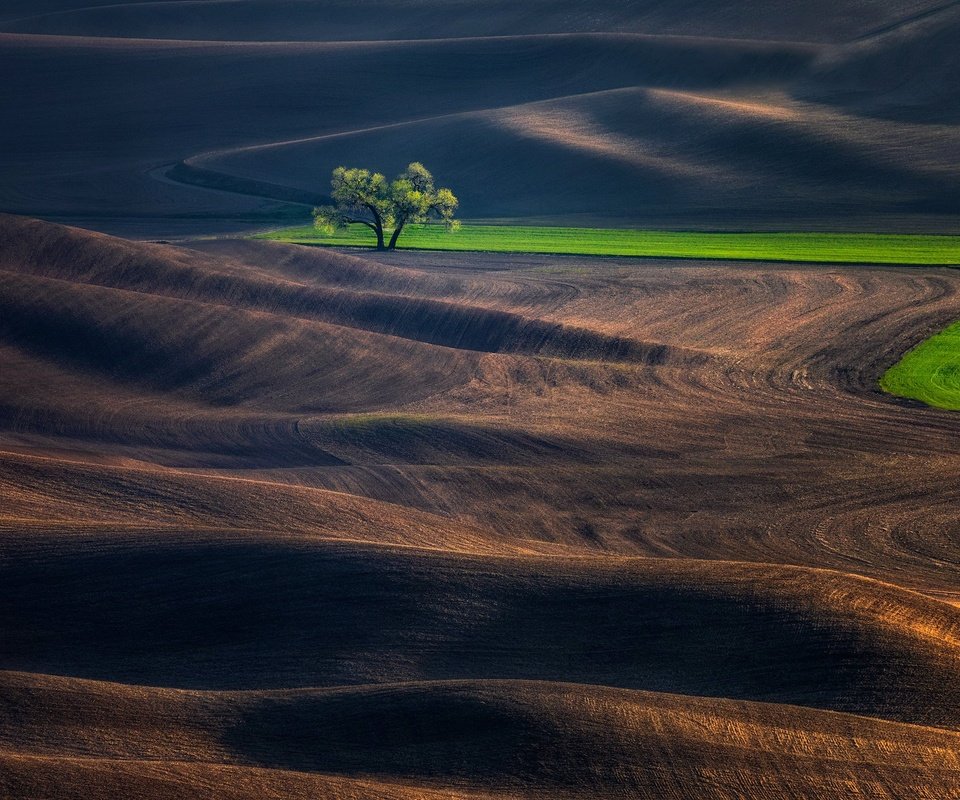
287,522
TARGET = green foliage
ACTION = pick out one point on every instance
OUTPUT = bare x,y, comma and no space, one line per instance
368,199
839,248
930,372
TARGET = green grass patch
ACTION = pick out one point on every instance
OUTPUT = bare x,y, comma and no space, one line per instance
930,372
839,248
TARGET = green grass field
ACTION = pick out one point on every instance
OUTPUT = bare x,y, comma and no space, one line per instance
930,372
841,248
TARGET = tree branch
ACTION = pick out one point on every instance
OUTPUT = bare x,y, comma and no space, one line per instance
366,222
376,214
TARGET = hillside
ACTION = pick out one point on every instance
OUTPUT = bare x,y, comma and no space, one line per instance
468,525
808,116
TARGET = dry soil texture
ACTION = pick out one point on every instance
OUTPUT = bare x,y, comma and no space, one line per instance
283,522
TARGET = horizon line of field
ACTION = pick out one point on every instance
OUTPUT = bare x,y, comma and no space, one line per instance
886,249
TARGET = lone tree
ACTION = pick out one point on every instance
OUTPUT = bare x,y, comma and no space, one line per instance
365,198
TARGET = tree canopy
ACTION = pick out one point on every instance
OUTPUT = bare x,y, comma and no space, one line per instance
367,198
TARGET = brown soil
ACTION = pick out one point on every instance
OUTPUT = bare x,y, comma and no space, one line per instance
286,522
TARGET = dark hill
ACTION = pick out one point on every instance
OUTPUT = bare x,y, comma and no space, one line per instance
806,115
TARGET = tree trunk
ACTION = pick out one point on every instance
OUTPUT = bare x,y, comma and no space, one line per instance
396,235
377,226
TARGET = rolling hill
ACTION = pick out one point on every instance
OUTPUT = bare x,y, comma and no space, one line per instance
750,115
291,522
281,521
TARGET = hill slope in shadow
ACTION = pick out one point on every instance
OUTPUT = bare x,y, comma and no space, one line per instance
298,20
823,112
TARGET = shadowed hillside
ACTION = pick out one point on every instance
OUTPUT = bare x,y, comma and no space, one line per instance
641,151
334,20
682,114
903,72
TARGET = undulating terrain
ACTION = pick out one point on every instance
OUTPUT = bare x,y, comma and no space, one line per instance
687,113
288,522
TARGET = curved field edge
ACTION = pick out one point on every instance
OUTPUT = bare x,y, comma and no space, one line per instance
930,372
838,248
